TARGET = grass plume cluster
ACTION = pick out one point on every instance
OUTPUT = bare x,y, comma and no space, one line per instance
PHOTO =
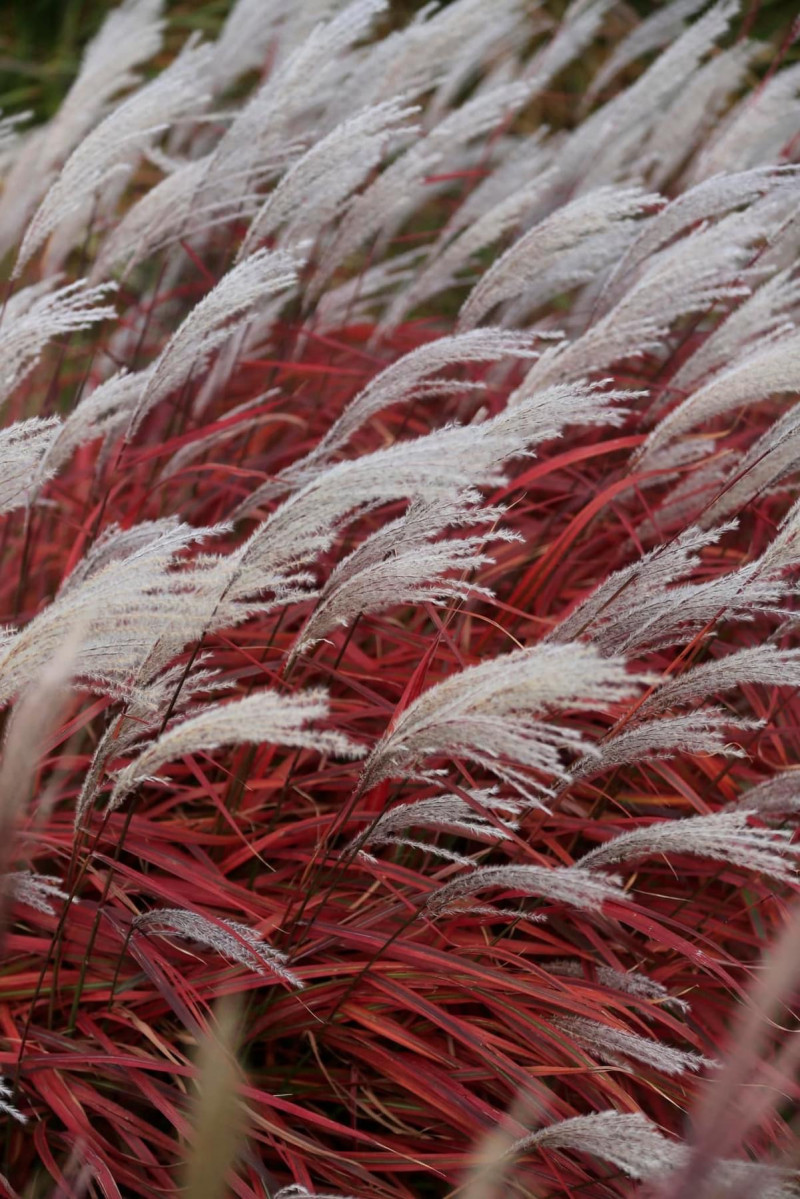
400,541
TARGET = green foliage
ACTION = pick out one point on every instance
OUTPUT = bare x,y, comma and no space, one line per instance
42,40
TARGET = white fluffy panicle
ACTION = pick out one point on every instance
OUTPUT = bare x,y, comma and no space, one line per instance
779,795
130,35
37,315
7,1108
403,563
485,816
567,885
228,938
315,190
767,665
632,983
38,891
611,1044
24,450
412,377
724,836
499,714
265,716
118,610
635,1145
706,731
585,217
213,321
107,155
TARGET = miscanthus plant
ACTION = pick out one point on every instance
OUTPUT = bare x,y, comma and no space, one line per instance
400,552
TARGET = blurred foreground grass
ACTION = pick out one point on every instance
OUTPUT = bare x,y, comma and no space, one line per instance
41,42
